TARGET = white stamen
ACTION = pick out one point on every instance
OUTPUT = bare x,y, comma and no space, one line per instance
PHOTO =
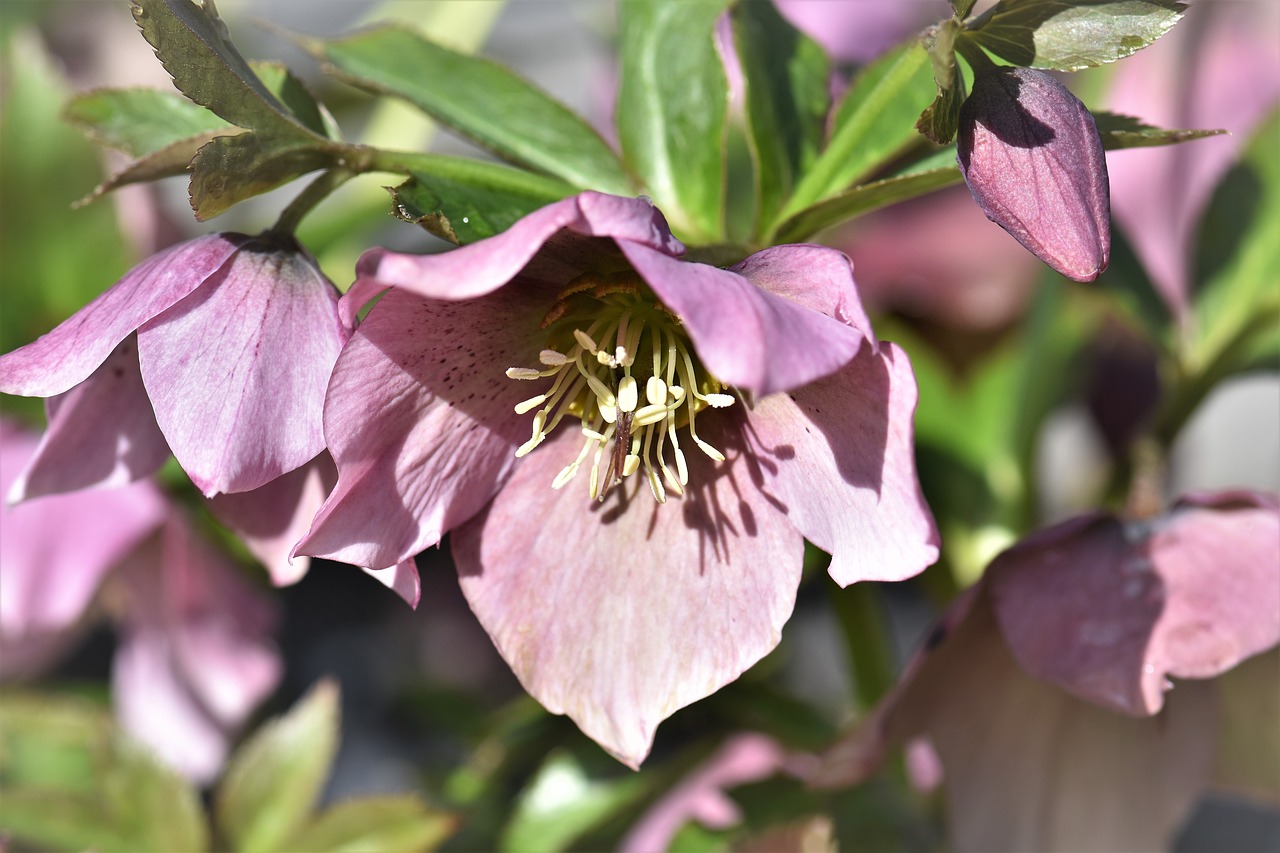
592,434
646,415
719,401
584,340
655,391
530,404
677,394
630,465
603,394
551,358
628,394
708,449
672,483
529,445
655,486
566,474
682,467
523,373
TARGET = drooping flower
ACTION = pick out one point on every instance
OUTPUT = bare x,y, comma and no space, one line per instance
218,349
1032,157
1058,666
195,657
628,448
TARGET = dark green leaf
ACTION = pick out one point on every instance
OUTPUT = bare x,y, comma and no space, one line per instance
864,199
873,123
961,8
464,211
1239,256
481,100
672,103
141,121
1121,131
272,782
192,43
788,96
230,169
562,802
293,93
1067,35
392,824
1127,280
174,159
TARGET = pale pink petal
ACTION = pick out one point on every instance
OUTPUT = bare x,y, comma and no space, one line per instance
420,420
858,31
272,518
66,356
402,579
1109,610
817,277
55,550
837,457
487,265
237,371
701,795
747,337
101,434
620,613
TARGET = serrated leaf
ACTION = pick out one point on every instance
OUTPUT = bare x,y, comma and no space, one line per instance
874,122
464,207
787,98
141,121
273,781
230,169
863,199
293,93
563,802
480,99
192,43
386,824
174,159
1068,35
1121,131
1238,258
672,108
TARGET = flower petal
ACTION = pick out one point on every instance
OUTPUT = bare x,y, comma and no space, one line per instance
237,371
619,613
485,266
402,579
67,355
1109,611
839,459
101,434
747,337
420,420
272,518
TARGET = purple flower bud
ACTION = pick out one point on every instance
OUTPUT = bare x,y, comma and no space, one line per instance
1032,157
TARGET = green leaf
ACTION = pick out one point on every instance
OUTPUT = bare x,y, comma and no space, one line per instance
140,121
873,123
1067,35
192,43
485,102
387,824
961,8
864,199
562,802
54,819
940,121
464,210
50,742
230,169
293,93
787,99
273,781
1121,131
1238,258
672,106
157,808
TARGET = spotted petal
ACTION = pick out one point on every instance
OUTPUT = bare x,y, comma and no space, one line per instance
619,613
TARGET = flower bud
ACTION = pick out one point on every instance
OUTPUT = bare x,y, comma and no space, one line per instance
1033,159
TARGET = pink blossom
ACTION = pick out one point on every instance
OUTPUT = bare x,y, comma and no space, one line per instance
1047,690
621,579
217,349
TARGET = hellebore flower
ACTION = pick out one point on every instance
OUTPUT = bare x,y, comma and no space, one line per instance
628,449
1032,157
195,657
218,349
1046,690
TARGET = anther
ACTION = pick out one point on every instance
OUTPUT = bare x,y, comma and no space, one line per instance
584,340
655,391
628,394
524,373
551,358
530,404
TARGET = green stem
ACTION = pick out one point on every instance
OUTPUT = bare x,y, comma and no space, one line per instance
316,192
866,635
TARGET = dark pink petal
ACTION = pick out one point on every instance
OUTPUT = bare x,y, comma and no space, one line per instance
837,457
237,371
1031,154
1110,610
272,518
55,551
67,355
620,613
420,420
746,336
487,265
101,433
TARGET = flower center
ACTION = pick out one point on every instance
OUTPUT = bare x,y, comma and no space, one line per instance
622,366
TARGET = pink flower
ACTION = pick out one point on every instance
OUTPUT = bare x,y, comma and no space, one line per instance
195,659
1047,690
640,546
1032,157
218,349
